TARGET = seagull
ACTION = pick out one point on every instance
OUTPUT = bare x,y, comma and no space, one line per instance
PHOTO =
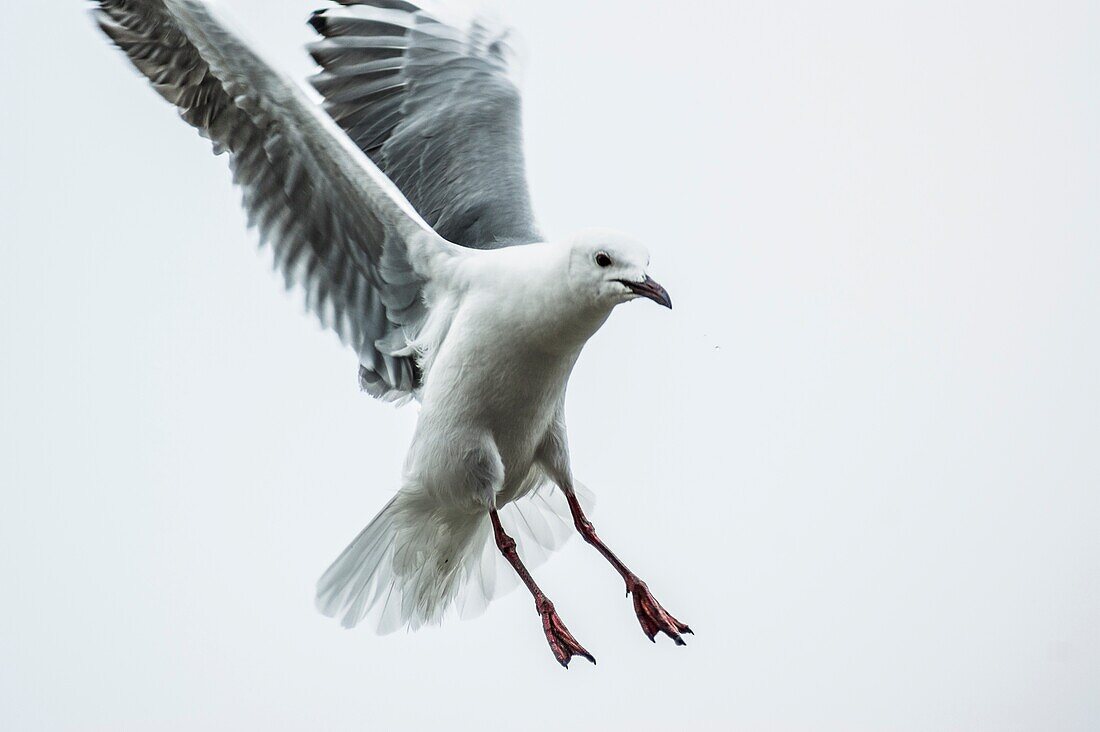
399,207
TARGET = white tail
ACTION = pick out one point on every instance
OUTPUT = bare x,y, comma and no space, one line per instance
414,559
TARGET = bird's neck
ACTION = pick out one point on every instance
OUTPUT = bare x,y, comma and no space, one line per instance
538,299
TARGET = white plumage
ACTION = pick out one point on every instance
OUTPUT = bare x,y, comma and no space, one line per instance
401,209
503,330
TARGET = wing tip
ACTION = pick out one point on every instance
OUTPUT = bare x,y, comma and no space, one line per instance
318,20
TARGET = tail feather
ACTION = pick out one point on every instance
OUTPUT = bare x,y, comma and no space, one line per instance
351,580
414,561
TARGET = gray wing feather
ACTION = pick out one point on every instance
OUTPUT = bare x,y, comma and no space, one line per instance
337,227
435,107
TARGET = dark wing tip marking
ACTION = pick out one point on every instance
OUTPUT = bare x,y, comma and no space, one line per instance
318,20
383,4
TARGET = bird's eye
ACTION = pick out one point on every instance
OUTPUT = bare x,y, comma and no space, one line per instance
603,259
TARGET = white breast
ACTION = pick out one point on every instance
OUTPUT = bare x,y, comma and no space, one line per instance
496,373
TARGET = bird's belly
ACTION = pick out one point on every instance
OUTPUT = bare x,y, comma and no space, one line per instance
510,395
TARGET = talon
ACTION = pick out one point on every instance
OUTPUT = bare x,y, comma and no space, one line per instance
653,618
562,643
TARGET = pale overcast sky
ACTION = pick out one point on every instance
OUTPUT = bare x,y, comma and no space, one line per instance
859,457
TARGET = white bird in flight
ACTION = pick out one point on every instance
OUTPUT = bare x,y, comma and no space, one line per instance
401,209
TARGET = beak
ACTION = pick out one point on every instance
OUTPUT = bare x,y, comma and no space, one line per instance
649,288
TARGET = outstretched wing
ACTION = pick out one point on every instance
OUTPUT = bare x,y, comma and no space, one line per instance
435,106
338,226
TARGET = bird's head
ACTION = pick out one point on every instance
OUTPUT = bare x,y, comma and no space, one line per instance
610,268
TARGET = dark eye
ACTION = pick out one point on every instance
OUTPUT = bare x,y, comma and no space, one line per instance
603,259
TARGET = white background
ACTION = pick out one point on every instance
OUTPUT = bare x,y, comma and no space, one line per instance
859,457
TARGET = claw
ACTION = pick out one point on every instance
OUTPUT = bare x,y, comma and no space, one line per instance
654,618
562,643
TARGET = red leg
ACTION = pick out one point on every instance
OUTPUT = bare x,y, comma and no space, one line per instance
562,642
654,618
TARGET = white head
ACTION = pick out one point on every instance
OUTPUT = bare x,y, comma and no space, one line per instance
610,268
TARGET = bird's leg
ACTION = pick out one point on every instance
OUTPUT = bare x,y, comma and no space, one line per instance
654,618
562,642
